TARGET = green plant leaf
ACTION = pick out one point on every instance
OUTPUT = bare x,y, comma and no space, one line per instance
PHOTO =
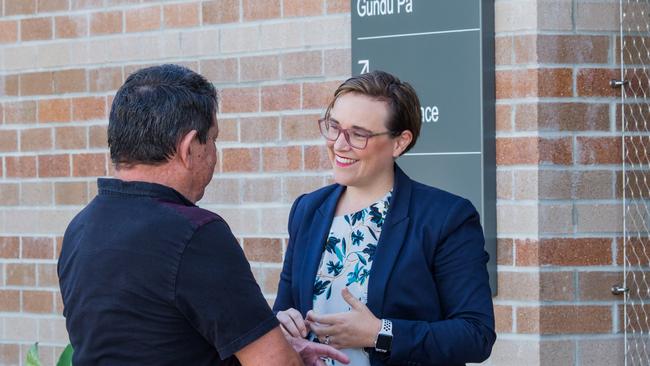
66,357
32,356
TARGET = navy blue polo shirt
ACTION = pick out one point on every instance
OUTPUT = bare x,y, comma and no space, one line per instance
148,278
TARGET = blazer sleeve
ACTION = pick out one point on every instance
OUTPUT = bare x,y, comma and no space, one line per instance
284,299
459,269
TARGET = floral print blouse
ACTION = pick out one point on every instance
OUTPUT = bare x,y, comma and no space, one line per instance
346,262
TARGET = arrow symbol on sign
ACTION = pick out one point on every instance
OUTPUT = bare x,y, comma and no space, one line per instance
366,66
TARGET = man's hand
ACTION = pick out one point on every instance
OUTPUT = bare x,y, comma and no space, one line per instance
312,352
357,328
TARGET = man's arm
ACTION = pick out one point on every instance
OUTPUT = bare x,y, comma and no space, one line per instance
271,349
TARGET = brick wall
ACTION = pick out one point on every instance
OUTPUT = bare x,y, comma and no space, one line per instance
559,200
275,63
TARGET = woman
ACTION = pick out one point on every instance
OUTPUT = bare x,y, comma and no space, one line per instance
389,270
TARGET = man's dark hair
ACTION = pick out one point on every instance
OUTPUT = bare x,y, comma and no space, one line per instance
154,109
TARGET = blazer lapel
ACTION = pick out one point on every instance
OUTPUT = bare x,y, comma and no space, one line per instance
315,238
390,241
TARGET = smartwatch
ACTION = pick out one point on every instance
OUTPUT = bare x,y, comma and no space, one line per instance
385,337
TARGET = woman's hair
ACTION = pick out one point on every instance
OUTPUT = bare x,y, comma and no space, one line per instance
403,102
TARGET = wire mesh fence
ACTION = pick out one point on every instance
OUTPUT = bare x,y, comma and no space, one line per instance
635,112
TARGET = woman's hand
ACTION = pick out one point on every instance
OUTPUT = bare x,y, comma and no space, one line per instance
357,328
292,323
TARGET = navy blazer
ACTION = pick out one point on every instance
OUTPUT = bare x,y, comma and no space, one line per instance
428,277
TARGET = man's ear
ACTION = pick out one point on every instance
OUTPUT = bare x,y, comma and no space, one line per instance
185,149
402,142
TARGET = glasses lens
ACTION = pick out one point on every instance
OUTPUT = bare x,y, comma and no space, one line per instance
358,138
328,130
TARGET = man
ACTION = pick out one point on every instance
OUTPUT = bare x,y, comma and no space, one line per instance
147,277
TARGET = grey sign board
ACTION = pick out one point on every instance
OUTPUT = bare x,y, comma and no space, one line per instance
445,49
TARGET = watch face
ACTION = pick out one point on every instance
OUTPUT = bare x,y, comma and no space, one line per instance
383,342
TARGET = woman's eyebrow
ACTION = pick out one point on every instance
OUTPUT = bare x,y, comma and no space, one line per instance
353,126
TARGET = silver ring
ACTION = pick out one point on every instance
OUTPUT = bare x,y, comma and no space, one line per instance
327,340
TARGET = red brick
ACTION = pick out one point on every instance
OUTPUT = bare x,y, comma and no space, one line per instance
503,120
104,79
54,165
595,82
599,150
302,64
257,68
561,49
17,7
503,318
503,50
10,353
565,319
181,15
8,31
576,252
534,82
263,250
281,97
556,151
106,23
522,286
73,26
54,110
36,83
527,252
337,62
36,139
88,108
597,286
19,274
259,129
38,302
505,252
70,81
21,166
9,247
98,137
240,160
9,194
239,100
33,29
37,248
256,10
300,127
302,8
517,150
337,6
9,300
70,137
318,95
47,276
220,11
143,19
287,158
8,140
220,70
556,286
9,85
70,193
564,117
316,158
89,165
46,6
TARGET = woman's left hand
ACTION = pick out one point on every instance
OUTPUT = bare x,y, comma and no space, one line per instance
357,328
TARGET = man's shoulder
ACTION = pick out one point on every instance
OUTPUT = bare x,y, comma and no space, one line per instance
196,216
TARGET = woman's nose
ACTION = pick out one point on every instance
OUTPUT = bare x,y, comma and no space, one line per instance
341,143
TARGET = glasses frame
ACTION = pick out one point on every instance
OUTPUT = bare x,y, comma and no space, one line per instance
323,131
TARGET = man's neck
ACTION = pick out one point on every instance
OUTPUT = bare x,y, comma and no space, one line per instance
163,174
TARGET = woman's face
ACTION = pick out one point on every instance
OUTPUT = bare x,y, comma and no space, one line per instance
361,167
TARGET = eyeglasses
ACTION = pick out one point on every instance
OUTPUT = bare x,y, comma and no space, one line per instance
355,137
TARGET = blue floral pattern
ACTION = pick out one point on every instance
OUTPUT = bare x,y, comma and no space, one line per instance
349,251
